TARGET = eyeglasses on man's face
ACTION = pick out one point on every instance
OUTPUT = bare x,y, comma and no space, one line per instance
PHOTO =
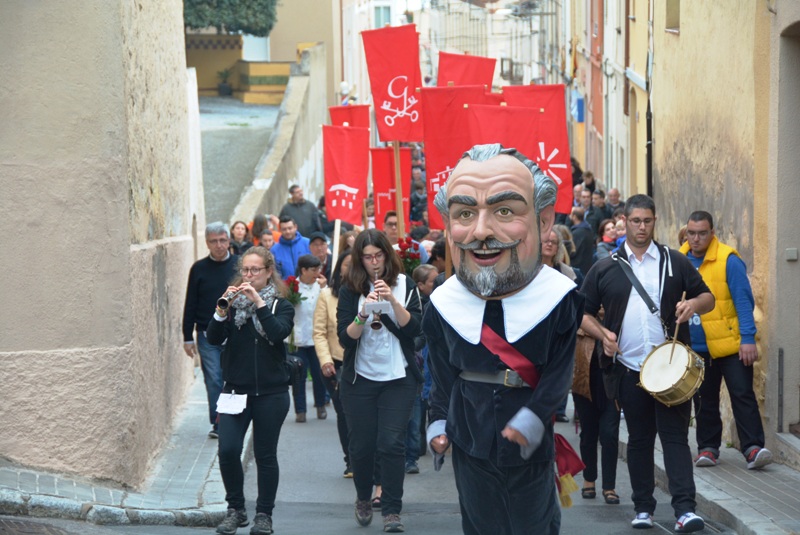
702,234
636,222
252,271
377,257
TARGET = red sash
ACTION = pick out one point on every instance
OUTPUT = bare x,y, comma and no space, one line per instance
567,460
510,356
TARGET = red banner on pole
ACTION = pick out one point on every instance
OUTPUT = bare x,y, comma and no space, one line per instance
393,65
383,182
510,126
446,135
463,69
552,151
354,115
346,157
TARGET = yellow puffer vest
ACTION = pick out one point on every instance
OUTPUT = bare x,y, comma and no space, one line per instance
721,325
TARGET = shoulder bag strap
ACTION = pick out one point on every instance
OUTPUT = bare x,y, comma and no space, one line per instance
626,268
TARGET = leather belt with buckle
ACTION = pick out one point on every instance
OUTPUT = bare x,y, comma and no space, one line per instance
508,378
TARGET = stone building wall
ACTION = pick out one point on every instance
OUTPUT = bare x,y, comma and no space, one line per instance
94,168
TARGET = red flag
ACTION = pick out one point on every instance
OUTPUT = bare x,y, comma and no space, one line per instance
353,115
346,157
494,98
462,69
393,64
508,125
552,151
383,182
446,135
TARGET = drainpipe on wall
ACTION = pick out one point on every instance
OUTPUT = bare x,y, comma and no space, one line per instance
649,86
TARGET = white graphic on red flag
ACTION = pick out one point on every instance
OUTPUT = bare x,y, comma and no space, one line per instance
348,195
545,163
440,178
406,102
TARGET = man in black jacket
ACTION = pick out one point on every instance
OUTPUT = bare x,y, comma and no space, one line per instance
629,333
501,338
208,279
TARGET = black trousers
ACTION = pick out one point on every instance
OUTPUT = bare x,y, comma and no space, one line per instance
332,386
599,420
645,417
267,414
377,417
518,500
739,380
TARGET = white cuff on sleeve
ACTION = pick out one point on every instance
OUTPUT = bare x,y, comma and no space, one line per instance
531,427
434,430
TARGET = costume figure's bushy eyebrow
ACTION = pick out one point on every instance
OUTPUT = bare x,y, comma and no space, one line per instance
462,199
505,196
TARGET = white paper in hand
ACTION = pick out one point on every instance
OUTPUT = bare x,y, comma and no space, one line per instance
232,403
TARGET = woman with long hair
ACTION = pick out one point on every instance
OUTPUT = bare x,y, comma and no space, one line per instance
256,384
240,238
329,350
380,375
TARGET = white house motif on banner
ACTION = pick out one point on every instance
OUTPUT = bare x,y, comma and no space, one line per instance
440,178
402,101
343,195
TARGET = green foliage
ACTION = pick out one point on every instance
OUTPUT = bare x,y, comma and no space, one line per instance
255,17
224,75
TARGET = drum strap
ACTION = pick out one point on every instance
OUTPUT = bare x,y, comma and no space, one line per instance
626,268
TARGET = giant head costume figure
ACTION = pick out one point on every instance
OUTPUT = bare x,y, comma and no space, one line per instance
496,205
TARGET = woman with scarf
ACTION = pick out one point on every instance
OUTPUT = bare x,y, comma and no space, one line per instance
380,376
606,238
252,328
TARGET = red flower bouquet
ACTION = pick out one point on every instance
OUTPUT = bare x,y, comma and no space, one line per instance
294,296
409,255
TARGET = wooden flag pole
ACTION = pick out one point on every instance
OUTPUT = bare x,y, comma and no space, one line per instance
337,232
398,197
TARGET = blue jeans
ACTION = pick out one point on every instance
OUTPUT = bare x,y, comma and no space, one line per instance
413,432
310,362
212,373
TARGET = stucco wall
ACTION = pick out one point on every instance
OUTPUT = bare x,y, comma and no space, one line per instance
295,149
703,143
93,158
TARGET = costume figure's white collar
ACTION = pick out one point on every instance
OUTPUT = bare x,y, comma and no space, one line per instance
522,311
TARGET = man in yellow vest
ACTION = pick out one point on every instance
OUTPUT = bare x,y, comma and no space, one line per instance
725,338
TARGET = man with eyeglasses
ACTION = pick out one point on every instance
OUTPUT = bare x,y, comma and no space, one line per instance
726,339
208,279
390,229
628,334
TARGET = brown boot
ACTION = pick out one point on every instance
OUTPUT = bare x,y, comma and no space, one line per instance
300,417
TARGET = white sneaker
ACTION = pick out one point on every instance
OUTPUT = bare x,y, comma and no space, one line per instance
689,523
758,458
642,521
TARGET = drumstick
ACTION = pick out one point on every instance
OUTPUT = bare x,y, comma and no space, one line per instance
675,338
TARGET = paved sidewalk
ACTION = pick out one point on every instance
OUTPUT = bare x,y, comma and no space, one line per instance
184,487
752,502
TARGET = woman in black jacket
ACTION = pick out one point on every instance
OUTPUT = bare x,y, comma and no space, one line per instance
380,376
253,361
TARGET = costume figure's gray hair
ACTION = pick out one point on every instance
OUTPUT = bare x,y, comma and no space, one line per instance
217,227
544,188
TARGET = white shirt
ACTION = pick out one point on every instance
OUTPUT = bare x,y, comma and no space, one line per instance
641,330
380,355
304,314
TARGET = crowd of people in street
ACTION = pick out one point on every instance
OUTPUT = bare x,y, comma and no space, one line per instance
541,305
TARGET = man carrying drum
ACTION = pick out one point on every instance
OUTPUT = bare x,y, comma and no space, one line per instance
629,332
728,336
